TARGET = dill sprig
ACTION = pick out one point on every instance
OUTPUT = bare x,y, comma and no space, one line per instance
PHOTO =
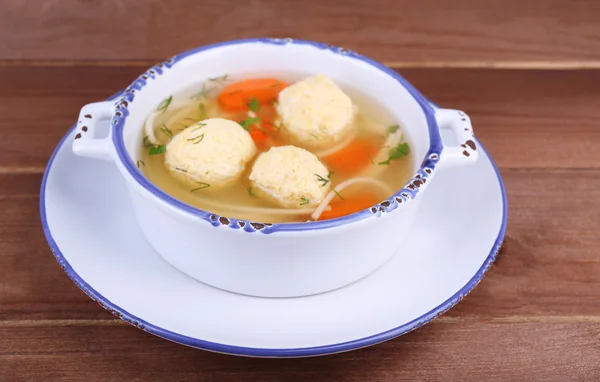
219,79
146,142
164,105
166,131
204,92
324,181
392,129
196,140
338,194
140,163
199,125
202,111
304,201
202,186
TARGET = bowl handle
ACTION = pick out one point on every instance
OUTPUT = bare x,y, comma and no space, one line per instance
459,122
84,143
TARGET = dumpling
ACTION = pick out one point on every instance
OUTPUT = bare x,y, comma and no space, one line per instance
214,151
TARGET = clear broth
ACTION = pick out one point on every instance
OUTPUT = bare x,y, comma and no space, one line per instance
372,124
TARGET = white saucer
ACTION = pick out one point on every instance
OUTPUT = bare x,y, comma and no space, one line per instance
91,230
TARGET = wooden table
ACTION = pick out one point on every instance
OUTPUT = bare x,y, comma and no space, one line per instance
528,73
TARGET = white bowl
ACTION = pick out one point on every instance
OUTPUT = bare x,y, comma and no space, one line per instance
283,259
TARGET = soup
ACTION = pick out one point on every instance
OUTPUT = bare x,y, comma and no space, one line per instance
275,149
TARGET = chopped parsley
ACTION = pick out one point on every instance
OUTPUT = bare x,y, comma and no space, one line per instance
246,123
164,105
254,105
304,201
202,186
146,142
397,152
158,149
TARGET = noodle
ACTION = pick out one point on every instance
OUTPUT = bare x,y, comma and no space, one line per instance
345,184
337,147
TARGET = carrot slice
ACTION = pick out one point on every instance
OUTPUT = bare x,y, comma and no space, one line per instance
235,97
350,205
352,158
258,136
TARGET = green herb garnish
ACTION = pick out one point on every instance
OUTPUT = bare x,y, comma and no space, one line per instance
166,130
304,201
164,105
146,142
251,193
246,123
140,163
202,186
202,111
397,152
392,129
181,169
219,79
254,105
158,149
338,194
204,92
323,180
198,126
196,140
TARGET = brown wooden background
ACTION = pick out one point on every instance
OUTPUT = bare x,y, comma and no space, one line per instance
528,73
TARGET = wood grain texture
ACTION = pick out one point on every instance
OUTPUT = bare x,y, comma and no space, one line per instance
525,118
394,31
548,270
442,351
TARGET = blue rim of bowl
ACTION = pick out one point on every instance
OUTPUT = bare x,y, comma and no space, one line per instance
402,197
259,352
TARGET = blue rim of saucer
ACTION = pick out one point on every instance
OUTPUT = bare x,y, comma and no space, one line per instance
405,195
260,352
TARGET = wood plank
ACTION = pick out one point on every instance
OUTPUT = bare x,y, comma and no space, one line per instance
548,270
526,118
393,31
449,351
